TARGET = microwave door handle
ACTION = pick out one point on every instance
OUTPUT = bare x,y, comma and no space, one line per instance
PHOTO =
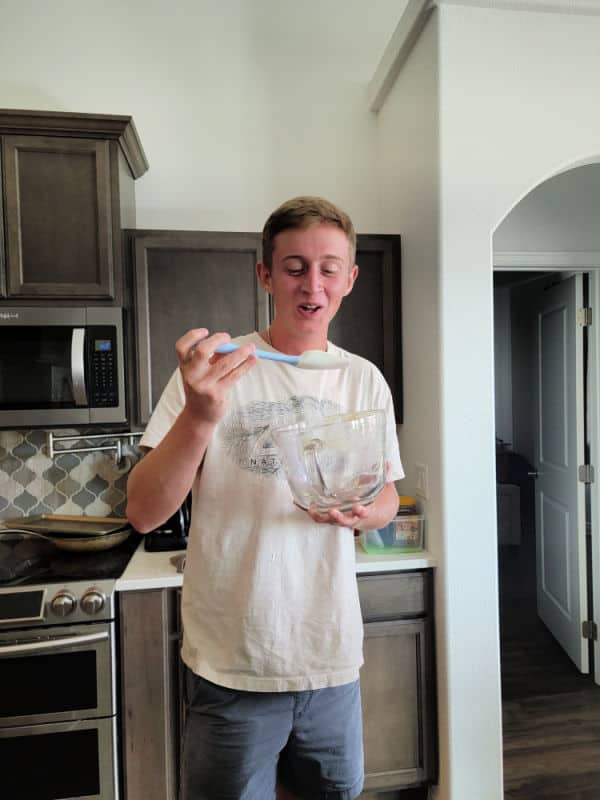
52,644
78,367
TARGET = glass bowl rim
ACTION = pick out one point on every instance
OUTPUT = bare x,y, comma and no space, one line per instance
332,419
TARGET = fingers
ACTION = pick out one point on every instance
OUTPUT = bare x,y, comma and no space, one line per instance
348,519
207,377
229,368
197,341
197,358
333,516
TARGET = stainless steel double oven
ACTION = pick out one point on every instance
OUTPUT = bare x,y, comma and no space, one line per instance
58,698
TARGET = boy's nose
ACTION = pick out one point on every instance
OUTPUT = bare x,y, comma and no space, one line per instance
312,280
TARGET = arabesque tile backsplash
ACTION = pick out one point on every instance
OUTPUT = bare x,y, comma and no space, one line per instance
71,483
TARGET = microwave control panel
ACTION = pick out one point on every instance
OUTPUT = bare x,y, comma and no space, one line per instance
103,380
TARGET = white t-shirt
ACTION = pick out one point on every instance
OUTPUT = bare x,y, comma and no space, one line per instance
270,600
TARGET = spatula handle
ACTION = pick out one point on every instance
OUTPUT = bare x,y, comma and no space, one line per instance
230,347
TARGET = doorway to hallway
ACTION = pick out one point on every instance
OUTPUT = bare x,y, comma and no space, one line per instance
551,711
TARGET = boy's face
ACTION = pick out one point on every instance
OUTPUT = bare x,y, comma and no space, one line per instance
310,275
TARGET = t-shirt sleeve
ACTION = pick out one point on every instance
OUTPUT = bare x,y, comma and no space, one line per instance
167,410
384,400
396,471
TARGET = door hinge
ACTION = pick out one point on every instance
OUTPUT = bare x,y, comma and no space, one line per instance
584,317
586,473
589,630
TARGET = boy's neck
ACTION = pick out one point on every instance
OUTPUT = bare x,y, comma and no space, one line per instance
293,345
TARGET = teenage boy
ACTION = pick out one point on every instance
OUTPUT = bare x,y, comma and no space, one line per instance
272,624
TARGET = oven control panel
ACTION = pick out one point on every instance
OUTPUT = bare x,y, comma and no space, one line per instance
51,603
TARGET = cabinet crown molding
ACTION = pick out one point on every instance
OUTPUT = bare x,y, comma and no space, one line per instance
92,126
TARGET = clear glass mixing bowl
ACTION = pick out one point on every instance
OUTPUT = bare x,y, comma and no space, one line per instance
335,462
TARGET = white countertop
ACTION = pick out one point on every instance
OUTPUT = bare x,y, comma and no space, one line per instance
155,570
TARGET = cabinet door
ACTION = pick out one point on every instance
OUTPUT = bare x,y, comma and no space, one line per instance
150,710
190,280
58,217
369,320
396,697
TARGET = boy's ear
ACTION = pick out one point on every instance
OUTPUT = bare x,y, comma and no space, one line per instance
351,278
263,273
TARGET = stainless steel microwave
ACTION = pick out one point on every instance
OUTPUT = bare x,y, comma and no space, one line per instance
61,366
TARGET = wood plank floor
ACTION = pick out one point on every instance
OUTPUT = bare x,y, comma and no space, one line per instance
551,713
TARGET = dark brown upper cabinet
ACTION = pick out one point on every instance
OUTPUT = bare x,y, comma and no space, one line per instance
184,280
369,321
67,185
189,280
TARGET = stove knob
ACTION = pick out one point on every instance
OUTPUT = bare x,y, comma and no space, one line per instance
63,604
92,602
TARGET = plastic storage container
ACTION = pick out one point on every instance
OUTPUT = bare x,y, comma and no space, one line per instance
404,534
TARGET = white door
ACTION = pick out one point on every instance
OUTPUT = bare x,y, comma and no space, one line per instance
559,448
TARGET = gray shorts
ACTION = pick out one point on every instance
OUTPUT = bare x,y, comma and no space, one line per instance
237,745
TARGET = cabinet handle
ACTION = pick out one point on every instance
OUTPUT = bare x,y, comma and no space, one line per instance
78,367
56,643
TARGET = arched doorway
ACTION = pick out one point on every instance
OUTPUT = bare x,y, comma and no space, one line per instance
551,707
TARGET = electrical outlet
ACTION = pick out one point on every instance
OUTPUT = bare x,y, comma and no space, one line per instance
421,481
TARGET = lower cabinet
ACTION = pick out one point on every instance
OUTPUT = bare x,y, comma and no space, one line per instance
150,679
398,682
397,687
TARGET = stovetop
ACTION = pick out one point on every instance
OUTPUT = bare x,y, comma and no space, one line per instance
25,561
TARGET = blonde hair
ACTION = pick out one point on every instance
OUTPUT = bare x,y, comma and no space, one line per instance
302,212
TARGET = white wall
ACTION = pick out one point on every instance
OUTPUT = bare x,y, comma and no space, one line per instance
408,178
518,104
239,104
561,215
408,150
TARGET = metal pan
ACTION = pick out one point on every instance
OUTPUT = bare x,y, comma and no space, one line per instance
67,524
78,544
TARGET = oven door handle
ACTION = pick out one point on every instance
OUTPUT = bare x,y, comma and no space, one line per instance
78,367
52,644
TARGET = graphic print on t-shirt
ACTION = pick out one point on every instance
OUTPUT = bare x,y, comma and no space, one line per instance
246,432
